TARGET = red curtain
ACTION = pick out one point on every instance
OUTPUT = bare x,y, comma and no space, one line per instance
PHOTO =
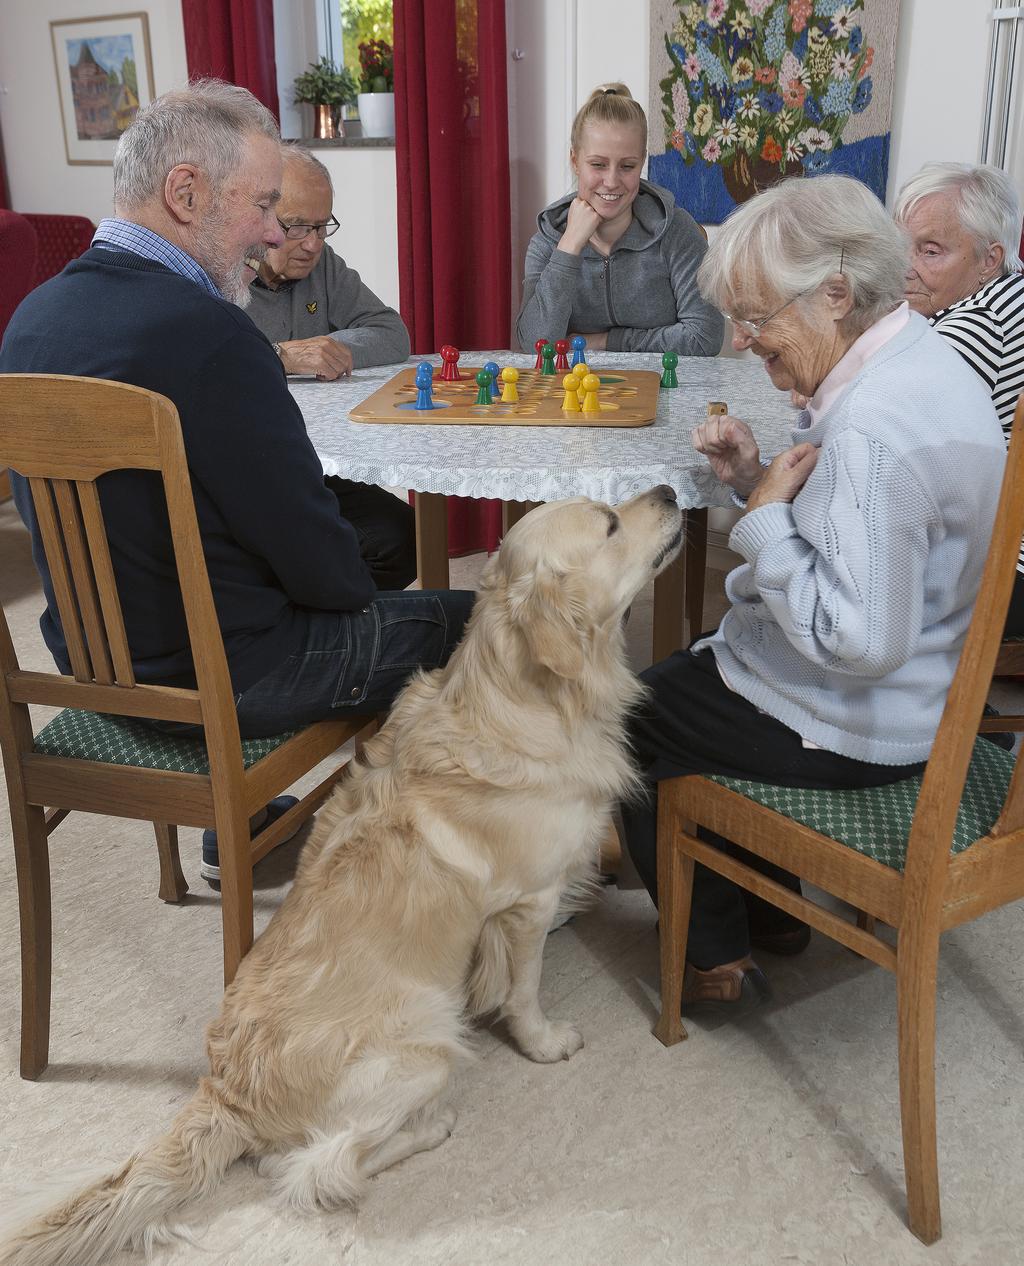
454,221
3,176
233,40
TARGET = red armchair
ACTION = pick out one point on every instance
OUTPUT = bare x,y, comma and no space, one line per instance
18,251
61,238
18,261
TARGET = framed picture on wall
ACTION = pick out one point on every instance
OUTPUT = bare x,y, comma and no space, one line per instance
104,74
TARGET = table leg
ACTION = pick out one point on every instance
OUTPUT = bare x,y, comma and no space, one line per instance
681,586
432,540
668,610
695,557
513,511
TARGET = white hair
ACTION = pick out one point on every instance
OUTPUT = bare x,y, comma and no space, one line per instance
987,205
293,153
793,237
203,124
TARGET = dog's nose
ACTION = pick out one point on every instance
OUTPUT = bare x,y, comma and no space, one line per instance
664,492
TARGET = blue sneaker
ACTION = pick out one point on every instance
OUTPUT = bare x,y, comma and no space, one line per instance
209,867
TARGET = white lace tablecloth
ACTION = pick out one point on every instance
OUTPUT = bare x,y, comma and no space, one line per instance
545,463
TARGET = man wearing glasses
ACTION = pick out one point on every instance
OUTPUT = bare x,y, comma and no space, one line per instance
315,310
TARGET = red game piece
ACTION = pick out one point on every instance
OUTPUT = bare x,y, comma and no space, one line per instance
538,347
450,369
562,358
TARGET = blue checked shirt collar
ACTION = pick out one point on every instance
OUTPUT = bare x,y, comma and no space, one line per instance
117,234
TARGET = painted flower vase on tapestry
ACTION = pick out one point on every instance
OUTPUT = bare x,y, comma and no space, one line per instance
377,113
758,90
744,176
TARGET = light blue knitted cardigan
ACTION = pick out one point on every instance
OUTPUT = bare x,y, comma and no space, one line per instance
850,612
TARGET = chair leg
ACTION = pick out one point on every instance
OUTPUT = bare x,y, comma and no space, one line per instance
916,968
172,882
32,860
234,848
675,889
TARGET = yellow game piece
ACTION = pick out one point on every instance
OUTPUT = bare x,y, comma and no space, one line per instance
581,372
571,403
510,392
590,384
716,408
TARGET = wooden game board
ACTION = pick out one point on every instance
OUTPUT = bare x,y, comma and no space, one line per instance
628,397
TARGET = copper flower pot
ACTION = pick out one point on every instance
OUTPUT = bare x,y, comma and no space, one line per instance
327,122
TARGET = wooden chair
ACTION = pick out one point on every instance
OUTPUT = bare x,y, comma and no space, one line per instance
63,434
923,856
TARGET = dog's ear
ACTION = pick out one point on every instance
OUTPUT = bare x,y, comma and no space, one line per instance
544,609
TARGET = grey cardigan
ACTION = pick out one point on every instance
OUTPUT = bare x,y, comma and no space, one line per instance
331,300
848,617
644,294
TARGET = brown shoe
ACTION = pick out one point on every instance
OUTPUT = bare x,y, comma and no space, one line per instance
735,986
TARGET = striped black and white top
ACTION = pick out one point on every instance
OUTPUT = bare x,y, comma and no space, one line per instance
987,329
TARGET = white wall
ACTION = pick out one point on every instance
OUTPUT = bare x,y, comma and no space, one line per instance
366,204
39,176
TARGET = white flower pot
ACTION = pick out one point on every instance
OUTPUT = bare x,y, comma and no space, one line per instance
377,113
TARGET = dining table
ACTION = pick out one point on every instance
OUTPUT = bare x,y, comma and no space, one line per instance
525,465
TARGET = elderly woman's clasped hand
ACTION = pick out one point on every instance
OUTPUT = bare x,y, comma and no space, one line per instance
732,453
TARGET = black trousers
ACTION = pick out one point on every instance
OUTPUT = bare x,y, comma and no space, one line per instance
1015,616
386,527
692,723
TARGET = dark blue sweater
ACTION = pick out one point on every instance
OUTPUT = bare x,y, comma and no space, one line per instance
276,546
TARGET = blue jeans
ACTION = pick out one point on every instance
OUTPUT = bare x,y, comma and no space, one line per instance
356,662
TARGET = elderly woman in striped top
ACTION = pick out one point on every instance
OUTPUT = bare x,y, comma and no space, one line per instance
964,225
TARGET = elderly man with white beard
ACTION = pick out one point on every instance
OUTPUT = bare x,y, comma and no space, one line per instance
157,302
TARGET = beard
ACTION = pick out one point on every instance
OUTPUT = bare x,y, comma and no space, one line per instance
231,276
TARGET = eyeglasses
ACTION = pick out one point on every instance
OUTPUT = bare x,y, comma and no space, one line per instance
753,328
296,232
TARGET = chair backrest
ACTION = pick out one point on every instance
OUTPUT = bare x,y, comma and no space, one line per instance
61,239
62,434
946,772
19,248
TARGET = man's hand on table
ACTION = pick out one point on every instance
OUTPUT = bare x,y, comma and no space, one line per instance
784,478
322,356
731,450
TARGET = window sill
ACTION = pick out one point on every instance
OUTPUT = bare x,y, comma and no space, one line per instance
348,142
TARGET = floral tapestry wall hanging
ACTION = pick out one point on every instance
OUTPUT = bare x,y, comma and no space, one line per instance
747,92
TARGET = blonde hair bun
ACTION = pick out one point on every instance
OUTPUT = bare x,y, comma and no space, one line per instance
609,103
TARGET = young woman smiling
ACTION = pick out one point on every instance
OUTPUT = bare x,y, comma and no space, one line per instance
617,260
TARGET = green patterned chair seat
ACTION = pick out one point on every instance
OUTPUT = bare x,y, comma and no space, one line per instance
876,821
115,740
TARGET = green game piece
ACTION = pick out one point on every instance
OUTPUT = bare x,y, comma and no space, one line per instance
483,380
547,359
669,362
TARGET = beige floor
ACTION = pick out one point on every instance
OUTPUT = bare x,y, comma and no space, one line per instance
773,1140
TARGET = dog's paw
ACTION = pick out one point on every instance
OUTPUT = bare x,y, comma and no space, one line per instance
439,1128
553,1041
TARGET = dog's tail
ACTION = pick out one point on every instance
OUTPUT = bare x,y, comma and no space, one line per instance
130,1209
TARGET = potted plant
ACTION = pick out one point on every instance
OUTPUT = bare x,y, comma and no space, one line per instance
377,88
326,88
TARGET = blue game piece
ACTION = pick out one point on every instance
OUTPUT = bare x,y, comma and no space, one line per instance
492,369
424,385
577,343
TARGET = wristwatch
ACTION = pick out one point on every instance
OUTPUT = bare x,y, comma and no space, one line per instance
277,348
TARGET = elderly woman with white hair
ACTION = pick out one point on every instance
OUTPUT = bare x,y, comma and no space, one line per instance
964,226
863,546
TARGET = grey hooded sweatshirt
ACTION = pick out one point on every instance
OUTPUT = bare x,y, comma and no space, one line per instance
644,293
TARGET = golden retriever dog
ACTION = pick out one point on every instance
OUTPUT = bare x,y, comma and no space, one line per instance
422,898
